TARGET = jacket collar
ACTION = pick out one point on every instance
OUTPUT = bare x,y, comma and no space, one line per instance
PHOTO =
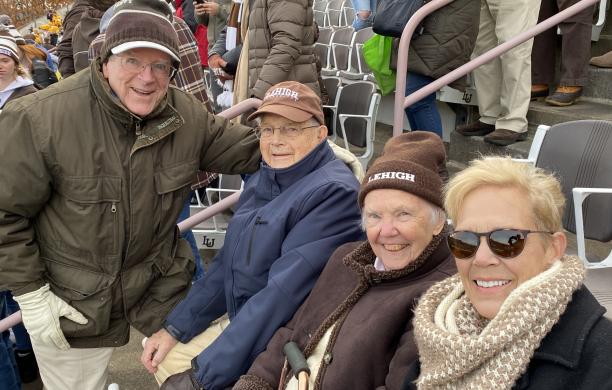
274,181
361,260
565,342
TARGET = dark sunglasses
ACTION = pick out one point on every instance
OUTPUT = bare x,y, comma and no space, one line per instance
505,243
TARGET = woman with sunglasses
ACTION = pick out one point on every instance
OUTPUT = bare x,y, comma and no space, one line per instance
517,316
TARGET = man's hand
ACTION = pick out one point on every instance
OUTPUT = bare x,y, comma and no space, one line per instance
215,61
211,7
41,311
184,381
199,8
156,348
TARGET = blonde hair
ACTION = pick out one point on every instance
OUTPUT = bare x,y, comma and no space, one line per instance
542,189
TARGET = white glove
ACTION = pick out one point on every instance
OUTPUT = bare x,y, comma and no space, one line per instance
41,311
349,159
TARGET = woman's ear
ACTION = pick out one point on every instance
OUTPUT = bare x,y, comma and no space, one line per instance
558,245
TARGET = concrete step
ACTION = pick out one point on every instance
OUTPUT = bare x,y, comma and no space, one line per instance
602,46
464,149
599,85
585,108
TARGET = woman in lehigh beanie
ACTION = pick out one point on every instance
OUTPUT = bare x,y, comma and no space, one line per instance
517,316
355,327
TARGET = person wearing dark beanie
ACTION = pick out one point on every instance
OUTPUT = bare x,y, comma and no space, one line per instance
91,248
410,162
361,308
154,29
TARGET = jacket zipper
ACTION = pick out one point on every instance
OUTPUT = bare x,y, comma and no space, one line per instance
258,221
138,132
115,227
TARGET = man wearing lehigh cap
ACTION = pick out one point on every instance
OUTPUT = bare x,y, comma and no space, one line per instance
95,172
299,206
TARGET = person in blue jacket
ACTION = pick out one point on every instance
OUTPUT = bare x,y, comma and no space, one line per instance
294,212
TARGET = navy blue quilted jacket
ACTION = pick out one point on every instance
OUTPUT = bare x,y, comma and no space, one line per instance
288,223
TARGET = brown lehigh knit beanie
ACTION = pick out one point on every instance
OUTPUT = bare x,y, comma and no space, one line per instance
141,24
410,162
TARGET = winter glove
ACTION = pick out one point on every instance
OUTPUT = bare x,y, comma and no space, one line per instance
184,381
349,159
41,311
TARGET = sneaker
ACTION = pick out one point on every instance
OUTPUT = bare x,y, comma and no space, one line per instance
503,137
477,128
26,363
564,96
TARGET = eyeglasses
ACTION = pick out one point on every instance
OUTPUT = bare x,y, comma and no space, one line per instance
505,243
284,131
159,69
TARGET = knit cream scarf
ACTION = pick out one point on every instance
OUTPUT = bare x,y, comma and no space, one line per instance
459,349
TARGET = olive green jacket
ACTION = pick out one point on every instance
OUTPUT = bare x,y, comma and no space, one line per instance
90,195
446,41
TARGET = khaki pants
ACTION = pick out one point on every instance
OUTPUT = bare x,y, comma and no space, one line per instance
179,358
504,84
74,369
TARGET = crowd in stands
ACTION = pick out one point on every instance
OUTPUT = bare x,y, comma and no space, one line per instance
108,124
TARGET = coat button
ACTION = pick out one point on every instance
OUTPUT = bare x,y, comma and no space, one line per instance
327,358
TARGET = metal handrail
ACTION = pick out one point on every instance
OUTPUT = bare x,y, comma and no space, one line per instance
224,204
209,212
402,101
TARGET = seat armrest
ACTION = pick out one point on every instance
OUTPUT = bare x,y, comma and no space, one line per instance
580,195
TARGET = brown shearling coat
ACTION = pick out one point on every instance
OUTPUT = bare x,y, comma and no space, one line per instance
372,345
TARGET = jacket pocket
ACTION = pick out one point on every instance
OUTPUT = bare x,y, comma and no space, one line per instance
172,281
87,291
172,187
86,213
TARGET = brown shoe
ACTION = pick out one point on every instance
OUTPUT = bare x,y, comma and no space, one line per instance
564,96
604,61
475,129
503,137
539,91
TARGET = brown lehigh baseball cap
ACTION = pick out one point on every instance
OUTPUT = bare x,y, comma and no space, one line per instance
291,100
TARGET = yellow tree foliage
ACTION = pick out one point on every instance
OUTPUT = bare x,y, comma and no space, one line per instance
25,11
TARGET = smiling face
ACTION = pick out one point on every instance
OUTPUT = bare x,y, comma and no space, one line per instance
140,92
282,152
488,279
8,69
399,226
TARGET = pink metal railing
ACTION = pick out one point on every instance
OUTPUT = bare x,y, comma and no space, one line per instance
402,101
231,200
234,111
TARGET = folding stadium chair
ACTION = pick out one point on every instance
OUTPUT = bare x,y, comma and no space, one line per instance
334,88
357,67
340,44
357,109
580,154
